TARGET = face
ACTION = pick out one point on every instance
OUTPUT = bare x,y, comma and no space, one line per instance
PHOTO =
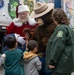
27,36
23,16
39,21
55,21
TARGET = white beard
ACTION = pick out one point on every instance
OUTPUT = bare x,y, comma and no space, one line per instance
19,22
31,21
23,20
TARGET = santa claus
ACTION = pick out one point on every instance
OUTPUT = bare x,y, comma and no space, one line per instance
21,21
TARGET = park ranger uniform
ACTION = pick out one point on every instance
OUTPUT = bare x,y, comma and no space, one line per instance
59,51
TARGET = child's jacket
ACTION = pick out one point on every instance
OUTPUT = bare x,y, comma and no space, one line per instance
31,63
12,62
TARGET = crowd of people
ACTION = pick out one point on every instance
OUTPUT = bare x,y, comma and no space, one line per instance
40,43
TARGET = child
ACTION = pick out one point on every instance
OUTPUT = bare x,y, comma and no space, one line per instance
27,35
31,60
21,42
12,58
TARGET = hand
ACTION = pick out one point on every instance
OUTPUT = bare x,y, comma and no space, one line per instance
3,55
51,66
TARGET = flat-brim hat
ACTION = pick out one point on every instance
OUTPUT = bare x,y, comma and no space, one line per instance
41,8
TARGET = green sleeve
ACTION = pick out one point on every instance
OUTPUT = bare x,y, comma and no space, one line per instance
58,45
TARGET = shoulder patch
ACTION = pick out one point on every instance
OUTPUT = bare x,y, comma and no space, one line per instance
60,34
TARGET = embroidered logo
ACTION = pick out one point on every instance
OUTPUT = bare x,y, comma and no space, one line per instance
60,34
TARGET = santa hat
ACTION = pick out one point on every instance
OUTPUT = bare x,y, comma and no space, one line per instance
17,10
21,8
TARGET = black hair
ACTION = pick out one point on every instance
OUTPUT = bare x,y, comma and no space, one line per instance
27,30
10,42
32,44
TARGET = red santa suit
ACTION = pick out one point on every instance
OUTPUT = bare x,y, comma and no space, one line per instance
17,26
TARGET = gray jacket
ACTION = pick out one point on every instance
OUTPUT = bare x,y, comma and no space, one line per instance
32,64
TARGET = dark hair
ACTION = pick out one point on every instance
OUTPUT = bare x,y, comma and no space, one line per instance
32,44
10,41
60,16
27,30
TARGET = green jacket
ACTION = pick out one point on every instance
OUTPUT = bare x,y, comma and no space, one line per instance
59,51
14,62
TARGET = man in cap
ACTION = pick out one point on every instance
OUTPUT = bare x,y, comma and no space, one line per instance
21,21
43,16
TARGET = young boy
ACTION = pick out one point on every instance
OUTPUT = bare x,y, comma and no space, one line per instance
12,58
21,42
32,63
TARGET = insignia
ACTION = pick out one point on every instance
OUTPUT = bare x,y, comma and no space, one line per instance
60,34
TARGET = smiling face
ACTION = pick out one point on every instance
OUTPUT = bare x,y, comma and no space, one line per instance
23,16
39,21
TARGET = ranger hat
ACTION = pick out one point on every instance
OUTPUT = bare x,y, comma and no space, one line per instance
41,8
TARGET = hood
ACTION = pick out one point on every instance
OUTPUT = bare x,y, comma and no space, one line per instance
29,56
17,23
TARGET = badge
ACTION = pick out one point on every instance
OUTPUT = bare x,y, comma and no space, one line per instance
60,34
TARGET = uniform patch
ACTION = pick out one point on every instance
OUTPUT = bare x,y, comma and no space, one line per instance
60,34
